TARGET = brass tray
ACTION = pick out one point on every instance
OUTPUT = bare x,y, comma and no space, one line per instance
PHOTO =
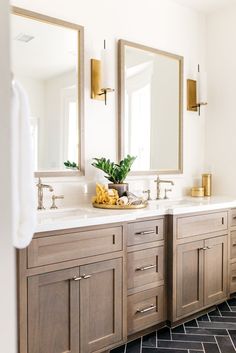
117,207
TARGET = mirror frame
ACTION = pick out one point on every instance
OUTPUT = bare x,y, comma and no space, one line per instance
121,103
80,29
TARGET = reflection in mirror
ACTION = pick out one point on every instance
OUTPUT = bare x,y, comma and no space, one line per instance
46,61
150,108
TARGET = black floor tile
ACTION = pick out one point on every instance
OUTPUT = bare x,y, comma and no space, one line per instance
178,329
211,348
225,344
193,338
193,351
163,350
233,308
192,323
215,312
150,340
206,331
180,345
134,346
120,349
228,313
224,307
232,302
164,334
226,325
203,318
223,319
232,334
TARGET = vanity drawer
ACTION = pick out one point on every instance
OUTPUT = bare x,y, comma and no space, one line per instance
233,217
233,278
71,246
145,231
233,244
145,309
202,224
145,267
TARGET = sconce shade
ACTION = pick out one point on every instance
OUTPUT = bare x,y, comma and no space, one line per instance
202,88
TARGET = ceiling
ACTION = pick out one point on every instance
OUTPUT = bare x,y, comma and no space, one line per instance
206,6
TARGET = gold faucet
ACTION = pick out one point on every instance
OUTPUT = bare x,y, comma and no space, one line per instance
40,187
160,181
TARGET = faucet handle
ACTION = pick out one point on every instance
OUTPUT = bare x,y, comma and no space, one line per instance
148,192
167,190
54,198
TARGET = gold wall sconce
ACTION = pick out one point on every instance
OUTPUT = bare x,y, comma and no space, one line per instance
99,85
197,93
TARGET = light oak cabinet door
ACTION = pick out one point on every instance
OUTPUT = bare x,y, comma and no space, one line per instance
201,274
53,312
215,270
101,303
189,278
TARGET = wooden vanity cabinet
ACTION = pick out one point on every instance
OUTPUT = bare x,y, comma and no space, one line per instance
198,263
77,306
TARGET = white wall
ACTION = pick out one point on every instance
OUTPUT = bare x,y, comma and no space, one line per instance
7,253
221,114
162,24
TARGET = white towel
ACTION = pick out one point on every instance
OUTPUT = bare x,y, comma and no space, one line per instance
24,205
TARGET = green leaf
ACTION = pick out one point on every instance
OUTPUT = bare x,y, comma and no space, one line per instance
71,165
116,173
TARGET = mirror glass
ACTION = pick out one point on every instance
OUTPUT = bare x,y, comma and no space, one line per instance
46,61
150,108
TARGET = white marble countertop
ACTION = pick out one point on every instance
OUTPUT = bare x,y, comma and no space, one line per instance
86,215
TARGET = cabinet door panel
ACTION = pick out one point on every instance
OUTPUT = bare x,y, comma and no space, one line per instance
189,277
53,312
101,305
215,265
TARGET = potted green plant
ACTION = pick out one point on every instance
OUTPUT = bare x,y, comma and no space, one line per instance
116,173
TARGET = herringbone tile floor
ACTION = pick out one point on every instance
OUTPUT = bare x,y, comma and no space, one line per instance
214,332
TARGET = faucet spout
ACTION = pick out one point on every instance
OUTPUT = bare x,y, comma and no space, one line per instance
161,181
40,187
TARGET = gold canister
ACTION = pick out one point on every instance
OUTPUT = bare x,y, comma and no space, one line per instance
207,184
197,192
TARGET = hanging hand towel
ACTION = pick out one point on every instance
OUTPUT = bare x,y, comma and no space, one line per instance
24,205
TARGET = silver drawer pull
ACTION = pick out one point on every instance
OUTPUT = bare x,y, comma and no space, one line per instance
145,232
86,276
204,248
75,278
144,268
142,311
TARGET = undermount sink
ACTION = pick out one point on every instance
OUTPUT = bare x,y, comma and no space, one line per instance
170,203
57,215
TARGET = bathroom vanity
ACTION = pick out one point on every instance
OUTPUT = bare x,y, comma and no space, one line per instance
87,288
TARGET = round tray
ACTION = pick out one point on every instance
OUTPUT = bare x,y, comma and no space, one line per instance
117,207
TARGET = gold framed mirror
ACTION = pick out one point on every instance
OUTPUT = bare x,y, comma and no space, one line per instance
150,108
48,62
